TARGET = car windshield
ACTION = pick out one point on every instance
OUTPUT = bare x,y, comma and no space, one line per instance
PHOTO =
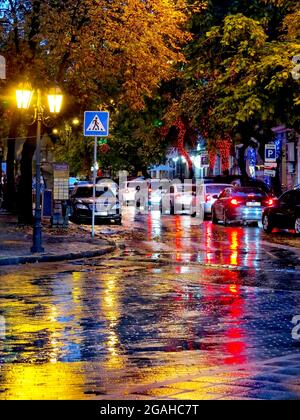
215,189
241,192
184,188
87,192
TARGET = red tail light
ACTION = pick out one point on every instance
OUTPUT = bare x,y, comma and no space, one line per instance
270,202
208,198
234,202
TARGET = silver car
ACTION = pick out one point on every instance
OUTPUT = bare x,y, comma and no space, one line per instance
211,194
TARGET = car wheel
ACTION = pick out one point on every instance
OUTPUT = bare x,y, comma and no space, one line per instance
214,218
297,226
267,224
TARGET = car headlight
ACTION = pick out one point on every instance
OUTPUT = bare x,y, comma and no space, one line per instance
81,206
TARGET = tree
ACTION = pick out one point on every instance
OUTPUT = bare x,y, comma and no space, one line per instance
238,79
105,50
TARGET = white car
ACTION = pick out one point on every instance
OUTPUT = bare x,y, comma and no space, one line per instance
129,191
180,199
107,182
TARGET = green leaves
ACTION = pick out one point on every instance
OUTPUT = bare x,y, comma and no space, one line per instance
246,64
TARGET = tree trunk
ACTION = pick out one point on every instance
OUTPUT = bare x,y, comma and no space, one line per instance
24,188
242,161
10,198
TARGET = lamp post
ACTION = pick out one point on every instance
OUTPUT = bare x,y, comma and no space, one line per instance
24,96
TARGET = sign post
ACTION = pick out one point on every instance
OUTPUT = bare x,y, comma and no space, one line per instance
94,186
96,124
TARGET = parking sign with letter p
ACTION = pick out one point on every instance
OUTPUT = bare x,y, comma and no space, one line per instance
270,153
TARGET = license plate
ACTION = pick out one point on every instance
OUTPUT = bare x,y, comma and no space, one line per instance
101,213
253,204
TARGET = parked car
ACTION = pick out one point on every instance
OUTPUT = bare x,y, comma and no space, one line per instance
211,194
107,205
179,199
284,214
238,181
107,182
130,191
240,204
156,190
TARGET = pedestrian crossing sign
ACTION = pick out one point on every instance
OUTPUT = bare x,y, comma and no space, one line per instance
96,124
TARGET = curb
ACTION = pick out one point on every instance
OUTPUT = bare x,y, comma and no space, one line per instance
31,259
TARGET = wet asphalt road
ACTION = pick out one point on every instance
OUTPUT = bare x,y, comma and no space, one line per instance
183,312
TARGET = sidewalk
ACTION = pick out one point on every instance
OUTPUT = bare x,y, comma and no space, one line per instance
59,244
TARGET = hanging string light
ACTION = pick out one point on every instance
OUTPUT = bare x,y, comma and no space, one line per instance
104,148
179,124
252,156
278,143
212,159
224,145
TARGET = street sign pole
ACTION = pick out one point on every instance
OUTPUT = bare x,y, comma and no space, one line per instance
96,124
94,186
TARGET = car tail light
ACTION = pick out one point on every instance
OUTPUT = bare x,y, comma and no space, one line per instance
234,202
270,202
208,198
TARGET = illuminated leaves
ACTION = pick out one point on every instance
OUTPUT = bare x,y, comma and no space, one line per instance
240,73
99,49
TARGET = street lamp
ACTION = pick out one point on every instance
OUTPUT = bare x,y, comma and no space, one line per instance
24,95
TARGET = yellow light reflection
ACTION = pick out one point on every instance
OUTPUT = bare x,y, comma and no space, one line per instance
234,247
112,312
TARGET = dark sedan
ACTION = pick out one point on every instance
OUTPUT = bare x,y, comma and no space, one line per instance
240,204
107,206
285,214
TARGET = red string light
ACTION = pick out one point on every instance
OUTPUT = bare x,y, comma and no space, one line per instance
179,124
224,145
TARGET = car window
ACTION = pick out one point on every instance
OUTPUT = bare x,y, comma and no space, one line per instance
242,192
87,192
291,198
287,198
224,194
185,188
215,189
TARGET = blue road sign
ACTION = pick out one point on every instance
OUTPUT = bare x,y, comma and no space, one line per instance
270,153
96,124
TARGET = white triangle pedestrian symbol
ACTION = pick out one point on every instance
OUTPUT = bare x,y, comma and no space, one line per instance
96,125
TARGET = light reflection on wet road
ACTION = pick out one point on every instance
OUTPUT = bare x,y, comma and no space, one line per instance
190,311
